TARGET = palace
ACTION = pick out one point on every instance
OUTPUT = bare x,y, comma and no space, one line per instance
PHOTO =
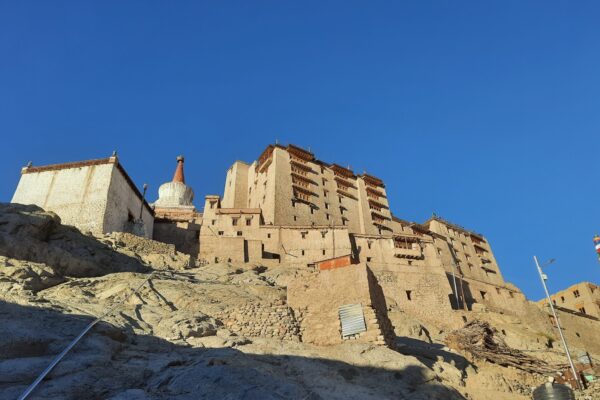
286,208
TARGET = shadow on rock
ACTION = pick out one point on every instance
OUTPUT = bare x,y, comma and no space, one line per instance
28,233
115,363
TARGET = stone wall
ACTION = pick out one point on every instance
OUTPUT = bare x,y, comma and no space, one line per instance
265,319
184,235
318,296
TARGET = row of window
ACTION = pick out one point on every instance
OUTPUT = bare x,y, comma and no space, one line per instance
234,221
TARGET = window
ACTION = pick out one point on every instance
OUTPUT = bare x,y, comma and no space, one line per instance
327,206
295,219
562,299
293,203
323,233
212,204
303,234
483,294
324,251
268,236
312,210
369,243
581,310
213,222
221,233
248,221
302,252
408,295
343,221
324,180
409,262
239,233
368,259
340,198
234,221
327,216
576,293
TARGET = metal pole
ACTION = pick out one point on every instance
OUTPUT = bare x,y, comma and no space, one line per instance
562,337
143,200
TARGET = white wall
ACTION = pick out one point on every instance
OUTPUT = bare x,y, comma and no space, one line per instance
78,195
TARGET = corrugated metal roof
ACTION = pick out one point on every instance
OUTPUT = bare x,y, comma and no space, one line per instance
352,319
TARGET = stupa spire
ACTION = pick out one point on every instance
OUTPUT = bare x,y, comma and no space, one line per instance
178,177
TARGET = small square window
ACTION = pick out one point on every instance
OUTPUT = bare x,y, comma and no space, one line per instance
239,233
368,259
221,233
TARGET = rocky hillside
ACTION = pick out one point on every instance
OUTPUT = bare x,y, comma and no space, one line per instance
212,331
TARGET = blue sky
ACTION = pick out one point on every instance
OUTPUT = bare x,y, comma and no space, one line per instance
486,113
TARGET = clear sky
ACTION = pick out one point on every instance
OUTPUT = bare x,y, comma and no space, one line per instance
486,113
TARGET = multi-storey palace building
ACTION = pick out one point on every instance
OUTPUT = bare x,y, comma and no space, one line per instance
285,208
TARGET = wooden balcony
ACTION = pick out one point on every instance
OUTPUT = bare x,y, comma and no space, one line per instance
411,254
300,163
373,181
300,153
341,181
374,194
341,171
345,193
377,205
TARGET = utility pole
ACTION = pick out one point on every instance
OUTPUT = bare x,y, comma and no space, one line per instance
143,200
543,278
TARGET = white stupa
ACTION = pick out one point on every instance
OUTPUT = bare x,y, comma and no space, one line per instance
175,194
